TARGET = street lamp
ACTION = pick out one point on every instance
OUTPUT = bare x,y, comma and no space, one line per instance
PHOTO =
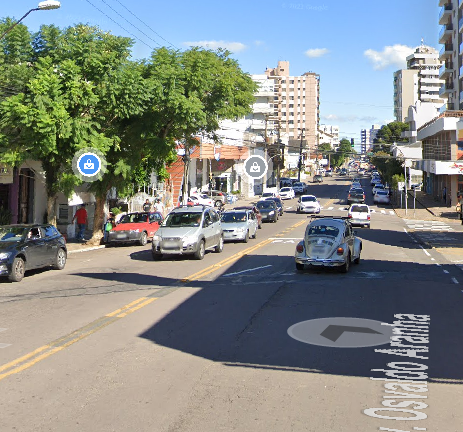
44,5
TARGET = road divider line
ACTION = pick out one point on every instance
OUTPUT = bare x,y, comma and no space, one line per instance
126,307
139,306
446,272
23,358
455,281
425,251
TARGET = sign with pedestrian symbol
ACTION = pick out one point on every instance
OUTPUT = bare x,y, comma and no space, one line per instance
255,167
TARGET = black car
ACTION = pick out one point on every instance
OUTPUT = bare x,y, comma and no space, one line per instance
356,196
27,247
279,204
318,178
268,209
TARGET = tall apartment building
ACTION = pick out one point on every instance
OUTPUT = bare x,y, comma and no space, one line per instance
419,82
296,104
442,136
367,137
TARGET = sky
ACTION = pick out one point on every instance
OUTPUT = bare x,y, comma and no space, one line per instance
355,46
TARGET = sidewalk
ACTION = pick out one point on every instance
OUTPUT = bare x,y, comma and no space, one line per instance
74,246
427,208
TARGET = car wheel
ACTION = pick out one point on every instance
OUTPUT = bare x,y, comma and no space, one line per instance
60,260
157,257
218,203
200,252
219,247
143,239
299,266
246,237
345,267
357,260
17,270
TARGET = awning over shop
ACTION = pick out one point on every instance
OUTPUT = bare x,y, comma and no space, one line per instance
439,167
78,198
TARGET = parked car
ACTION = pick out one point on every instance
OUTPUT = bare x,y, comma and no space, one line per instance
239,225
266,195
356,184
219,198
188,230
201,199
318,178
376,188
343,172
329,173
279,204
381,197
287,193
308,204
135,228
256,212
375,180
328,242
27,247
268,209
359,215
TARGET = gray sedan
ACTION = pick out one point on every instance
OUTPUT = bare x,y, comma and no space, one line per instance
239,225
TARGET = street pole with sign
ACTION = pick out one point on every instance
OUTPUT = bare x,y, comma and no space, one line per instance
300,156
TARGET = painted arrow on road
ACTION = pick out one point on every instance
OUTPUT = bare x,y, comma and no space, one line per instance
334,332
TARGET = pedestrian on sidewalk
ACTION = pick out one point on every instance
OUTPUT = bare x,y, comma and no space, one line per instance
147,205
82,218
444,194
108,226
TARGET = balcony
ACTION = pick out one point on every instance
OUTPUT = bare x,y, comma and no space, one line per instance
257,125
445,13
445,70
447,107
446,51
446,89
264,93
445,33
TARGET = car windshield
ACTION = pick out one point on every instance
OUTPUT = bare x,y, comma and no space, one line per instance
308,198
328,230
230,217
11,234
381,193
182,219
134,218
379,186
359,209
265,205
286,189
267,194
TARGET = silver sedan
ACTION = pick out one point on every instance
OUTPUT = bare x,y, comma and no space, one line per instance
239,225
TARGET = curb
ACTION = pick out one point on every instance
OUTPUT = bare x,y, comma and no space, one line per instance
86,249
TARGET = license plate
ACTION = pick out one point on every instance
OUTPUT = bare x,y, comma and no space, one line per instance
170,245
121,236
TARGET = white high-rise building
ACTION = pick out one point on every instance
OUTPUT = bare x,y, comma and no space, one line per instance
419,82
328,134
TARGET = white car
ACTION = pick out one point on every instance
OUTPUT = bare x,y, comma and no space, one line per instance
381,197
308,204
298,188
376,188
375,180
266,195
201,200
287,193
359,215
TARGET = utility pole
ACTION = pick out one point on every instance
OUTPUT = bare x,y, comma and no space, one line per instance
300,156
279,158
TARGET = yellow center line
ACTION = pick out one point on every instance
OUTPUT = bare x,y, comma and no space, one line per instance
34,357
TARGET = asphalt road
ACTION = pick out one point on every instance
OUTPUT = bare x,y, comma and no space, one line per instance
118,342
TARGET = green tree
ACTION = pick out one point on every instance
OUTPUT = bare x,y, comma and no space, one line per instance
387,165
389,134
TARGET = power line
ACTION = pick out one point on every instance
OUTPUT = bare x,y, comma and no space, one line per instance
126,20
128,10
115,22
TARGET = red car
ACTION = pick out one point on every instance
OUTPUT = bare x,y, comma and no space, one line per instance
135,227
255,210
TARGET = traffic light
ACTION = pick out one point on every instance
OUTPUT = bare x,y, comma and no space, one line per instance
352,142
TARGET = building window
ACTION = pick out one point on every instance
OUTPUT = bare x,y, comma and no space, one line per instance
291,82
290,122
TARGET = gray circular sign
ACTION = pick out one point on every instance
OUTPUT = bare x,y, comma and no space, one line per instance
341,332
255,166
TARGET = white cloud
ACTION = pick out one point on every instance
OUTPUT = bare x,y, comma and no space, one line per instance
231,46
258,43
394,55
316,52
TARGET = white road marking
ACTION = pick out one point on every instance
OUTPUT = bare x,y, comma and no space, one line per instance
425,251
3,345
383,211
245,271
433,259
438,265
446,272
330,208
289,208
454,280
391,212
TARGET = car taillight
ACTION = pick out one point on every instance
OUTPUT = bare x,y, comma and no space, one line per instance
340,251
349,216
300,248
348,196
368,217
